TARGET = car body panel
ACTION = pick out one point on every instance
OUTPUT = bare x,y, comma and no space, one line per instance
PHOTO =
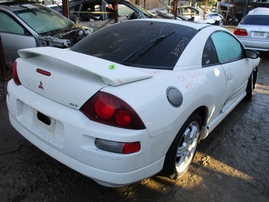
69,136
11,45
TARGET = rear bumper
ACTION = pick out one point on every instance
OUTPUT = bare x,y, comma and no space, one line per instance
70,139
255,44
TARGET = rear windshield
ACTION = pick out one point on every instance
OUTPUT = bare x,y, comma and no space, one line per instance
255,20
144,44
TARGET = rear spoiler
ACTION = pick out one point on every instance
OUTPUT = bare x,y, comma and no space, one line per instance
113,74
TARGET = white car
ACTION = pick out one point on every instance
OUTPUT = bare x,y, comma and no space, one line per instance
122,105
253,30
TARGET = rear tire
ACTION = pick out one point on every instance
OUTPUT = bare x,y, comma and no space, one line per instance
182,150
250,87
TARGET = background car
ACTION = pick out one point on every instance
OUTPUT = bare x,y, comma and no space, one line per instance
98,14
218,18
33,25
253,30
190,12
122,105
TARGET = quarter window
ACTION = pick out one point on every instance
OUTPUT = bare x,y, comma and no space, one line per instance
227,47
209,54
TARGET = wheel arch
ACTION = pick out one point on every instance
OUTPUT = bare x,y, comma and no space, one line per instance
202,111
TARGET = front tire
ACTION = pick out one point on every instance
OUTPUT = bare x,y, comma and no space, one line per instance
182,150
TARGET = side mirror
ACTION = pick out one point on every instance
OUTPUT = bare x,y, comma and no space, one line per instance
252,54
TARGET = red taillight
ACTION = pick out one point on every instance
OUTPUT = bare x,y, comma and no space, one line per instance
15,74
240,32
104,107
109,109
129,148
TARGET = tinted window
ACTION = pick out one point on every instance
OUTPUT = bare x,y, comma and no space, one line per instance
141,44
227,47
7,24
209,54
255,20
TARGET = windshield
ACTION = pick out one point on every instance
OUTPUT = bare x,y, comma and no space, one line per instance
44,20
255,20
157,45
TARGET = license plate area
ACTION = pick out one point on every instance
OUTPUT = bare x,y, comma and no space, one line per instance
40,124
43,118
259,34
45,122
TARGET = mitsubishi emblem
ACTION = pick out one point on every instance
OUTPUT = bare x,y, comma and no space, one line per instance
41,85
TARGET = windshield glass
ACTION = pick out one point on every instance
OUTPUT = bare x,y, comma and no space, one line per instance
157,45
44,20
256,20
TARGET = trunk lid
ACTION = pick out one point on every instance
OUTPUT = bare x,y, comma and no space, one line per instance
68,77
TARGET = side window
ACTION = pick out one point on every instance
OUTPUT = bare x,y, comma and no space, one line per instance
124,10
227,47
7,24
209,54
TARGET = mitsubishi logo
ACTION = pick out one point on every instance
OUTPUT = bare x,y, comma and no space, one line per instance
41,85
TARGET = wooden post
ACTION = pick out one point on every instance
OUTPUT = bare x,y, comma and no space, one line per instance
66,8
116,15
175,5
205,10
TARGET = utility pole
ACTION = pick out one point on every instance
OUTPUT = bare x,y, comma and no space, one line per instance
175,5
66,8
116,16
246,8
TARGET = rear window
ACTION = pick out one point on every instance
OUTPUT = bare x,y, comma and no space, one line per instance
144,44
255,20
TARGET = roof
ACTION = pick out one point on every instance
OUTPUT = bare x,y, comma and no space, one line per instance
18,7
19,1
194,25
259,11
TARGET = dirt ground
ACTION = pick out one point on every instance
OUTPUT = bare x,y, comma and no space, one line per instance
232,164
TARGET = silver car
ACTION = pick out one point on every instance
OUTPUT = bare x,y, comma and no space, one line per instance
253,30
218,18
34,25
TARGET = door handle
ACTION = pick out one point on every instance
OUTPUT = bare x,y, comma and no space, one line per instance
229,76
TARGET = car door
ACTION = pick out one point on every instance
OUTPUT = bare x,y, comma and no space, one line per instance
230,54
14,37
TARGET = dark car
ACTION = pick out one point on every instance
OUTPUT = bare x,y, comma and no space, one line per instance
99,13
33,25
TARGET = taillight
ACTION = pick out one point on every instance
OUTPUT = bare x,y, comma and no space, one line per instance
15,74
240,32
111,110
118,147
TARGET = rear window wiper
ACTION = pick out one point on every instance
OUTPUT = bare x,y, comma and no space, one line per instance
146,47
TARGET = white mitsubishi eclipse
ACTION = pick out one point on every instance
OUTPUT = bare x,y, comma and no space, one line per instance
132,99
